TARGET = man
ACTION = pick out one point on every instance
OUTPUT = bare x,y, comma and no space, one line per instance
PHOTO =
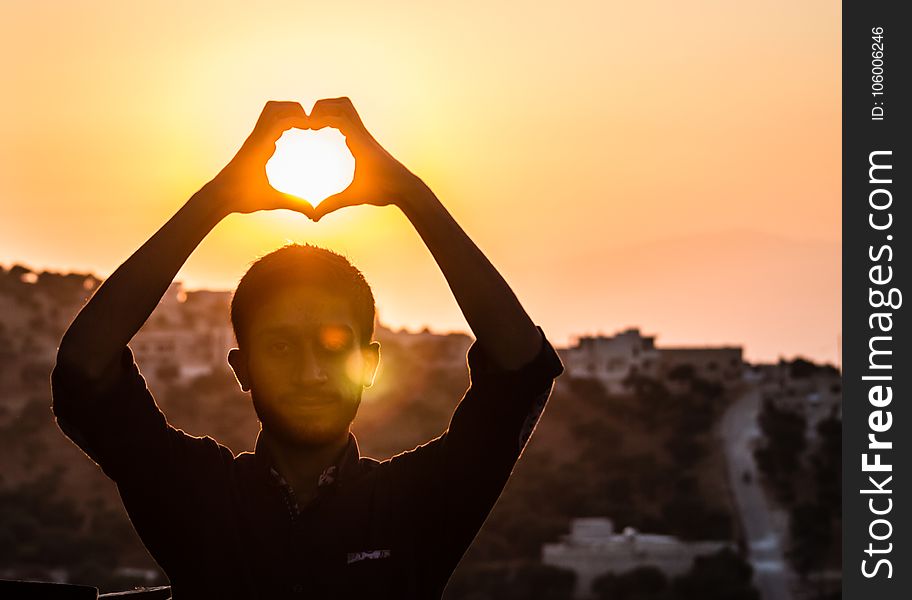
304,515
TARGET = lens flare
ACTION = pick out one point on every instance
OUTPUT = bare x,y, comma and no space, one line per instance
312,165
335,338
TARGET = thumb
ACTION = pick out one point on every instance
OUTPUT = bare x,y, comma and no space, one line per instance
283,200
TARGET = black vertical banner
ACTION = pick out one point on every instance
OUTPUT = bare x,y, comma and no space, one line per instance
877,366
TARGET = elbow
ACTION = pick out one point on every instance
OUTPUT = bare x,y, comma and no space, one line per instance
67,357
85,364
74,377
77,371
70,354
71,362
58,379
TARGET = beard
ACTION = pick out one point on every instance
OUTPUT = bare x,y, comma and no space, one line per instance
315,428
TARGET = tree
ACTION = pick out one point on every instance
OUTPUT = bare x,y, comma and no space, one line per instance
779,458
801,368
810,536
641,583
720,576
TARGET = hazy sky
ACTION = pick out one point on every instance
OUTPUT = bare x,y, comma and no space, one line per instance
673,166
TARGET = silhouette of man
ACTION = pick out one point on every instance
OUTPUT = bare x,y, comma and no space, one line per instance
304,515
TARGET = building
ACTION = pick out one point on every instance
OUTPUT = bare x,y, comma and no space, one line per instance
593,549
440,350
611,359
716,364
189,334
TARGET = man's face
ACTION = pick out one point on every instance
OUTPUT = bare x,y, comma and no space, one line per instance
304,365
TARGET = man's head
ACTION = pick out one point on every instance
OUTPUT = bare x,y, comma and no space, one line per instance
303,317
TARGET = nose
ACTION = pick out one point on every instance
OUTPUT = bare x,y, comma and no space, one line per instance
309,369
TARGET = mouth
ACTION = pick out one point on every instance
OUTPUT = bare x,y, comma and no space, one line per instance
313,401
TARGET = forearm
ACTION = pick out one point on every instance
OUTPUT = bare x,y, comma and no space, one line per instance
490,307
125,300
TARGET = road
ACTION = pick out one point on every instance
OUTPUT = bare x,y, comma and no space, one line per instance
759,521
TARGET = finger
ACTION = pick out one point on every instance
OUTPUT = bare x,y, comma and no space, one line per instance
274,110
339,113
283,200
262,143
276,119
334,202
277,115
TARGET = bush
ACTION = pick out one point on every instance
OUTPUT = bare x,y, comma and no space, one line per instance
720,576
642,583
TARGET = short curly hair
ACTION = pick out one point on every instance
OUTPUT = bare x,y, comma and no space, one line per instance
296,264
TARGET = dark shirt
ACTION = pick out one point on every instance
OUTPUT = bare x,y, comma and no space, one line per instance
225,526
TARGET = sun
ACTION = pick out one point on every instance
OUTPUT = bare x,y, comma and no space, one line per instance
312,165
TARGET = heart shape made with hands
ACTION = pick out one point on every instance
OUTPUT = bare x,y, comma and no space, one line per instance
311,164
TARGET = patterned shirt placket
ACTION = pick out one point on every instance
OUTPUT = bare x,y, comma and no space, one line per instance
288,494
327,478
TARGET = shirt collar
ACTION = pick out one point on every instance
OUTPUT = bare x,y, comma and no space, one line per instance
340,470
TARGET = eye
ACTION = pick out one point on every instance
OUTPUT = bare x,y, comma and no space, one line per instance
336,338
280,347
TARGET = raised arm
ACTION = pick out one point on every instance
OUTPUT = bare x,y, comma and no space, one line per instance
490,307
95,339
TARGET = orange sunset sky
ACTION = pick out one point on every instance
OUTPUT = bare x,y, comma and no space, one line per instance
672,166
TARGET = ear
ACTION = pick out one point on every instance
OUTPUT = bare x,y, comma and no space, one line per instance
371,361
238,361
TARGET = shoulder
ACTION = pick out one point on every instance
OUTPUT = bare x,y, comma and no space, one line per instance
410,470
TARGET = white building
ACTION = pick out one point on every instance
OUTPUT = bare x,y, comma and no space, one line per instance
189,334
593,549
611,359
723,364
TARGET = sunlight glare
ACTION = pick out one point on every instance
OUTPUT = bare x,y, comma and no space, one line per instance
312,165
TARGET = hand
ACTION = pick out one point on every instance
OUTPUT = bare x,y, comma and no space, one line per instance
379,178
242,186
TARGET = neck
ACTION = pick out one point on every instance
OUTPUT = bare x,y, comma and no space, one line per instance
301,466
